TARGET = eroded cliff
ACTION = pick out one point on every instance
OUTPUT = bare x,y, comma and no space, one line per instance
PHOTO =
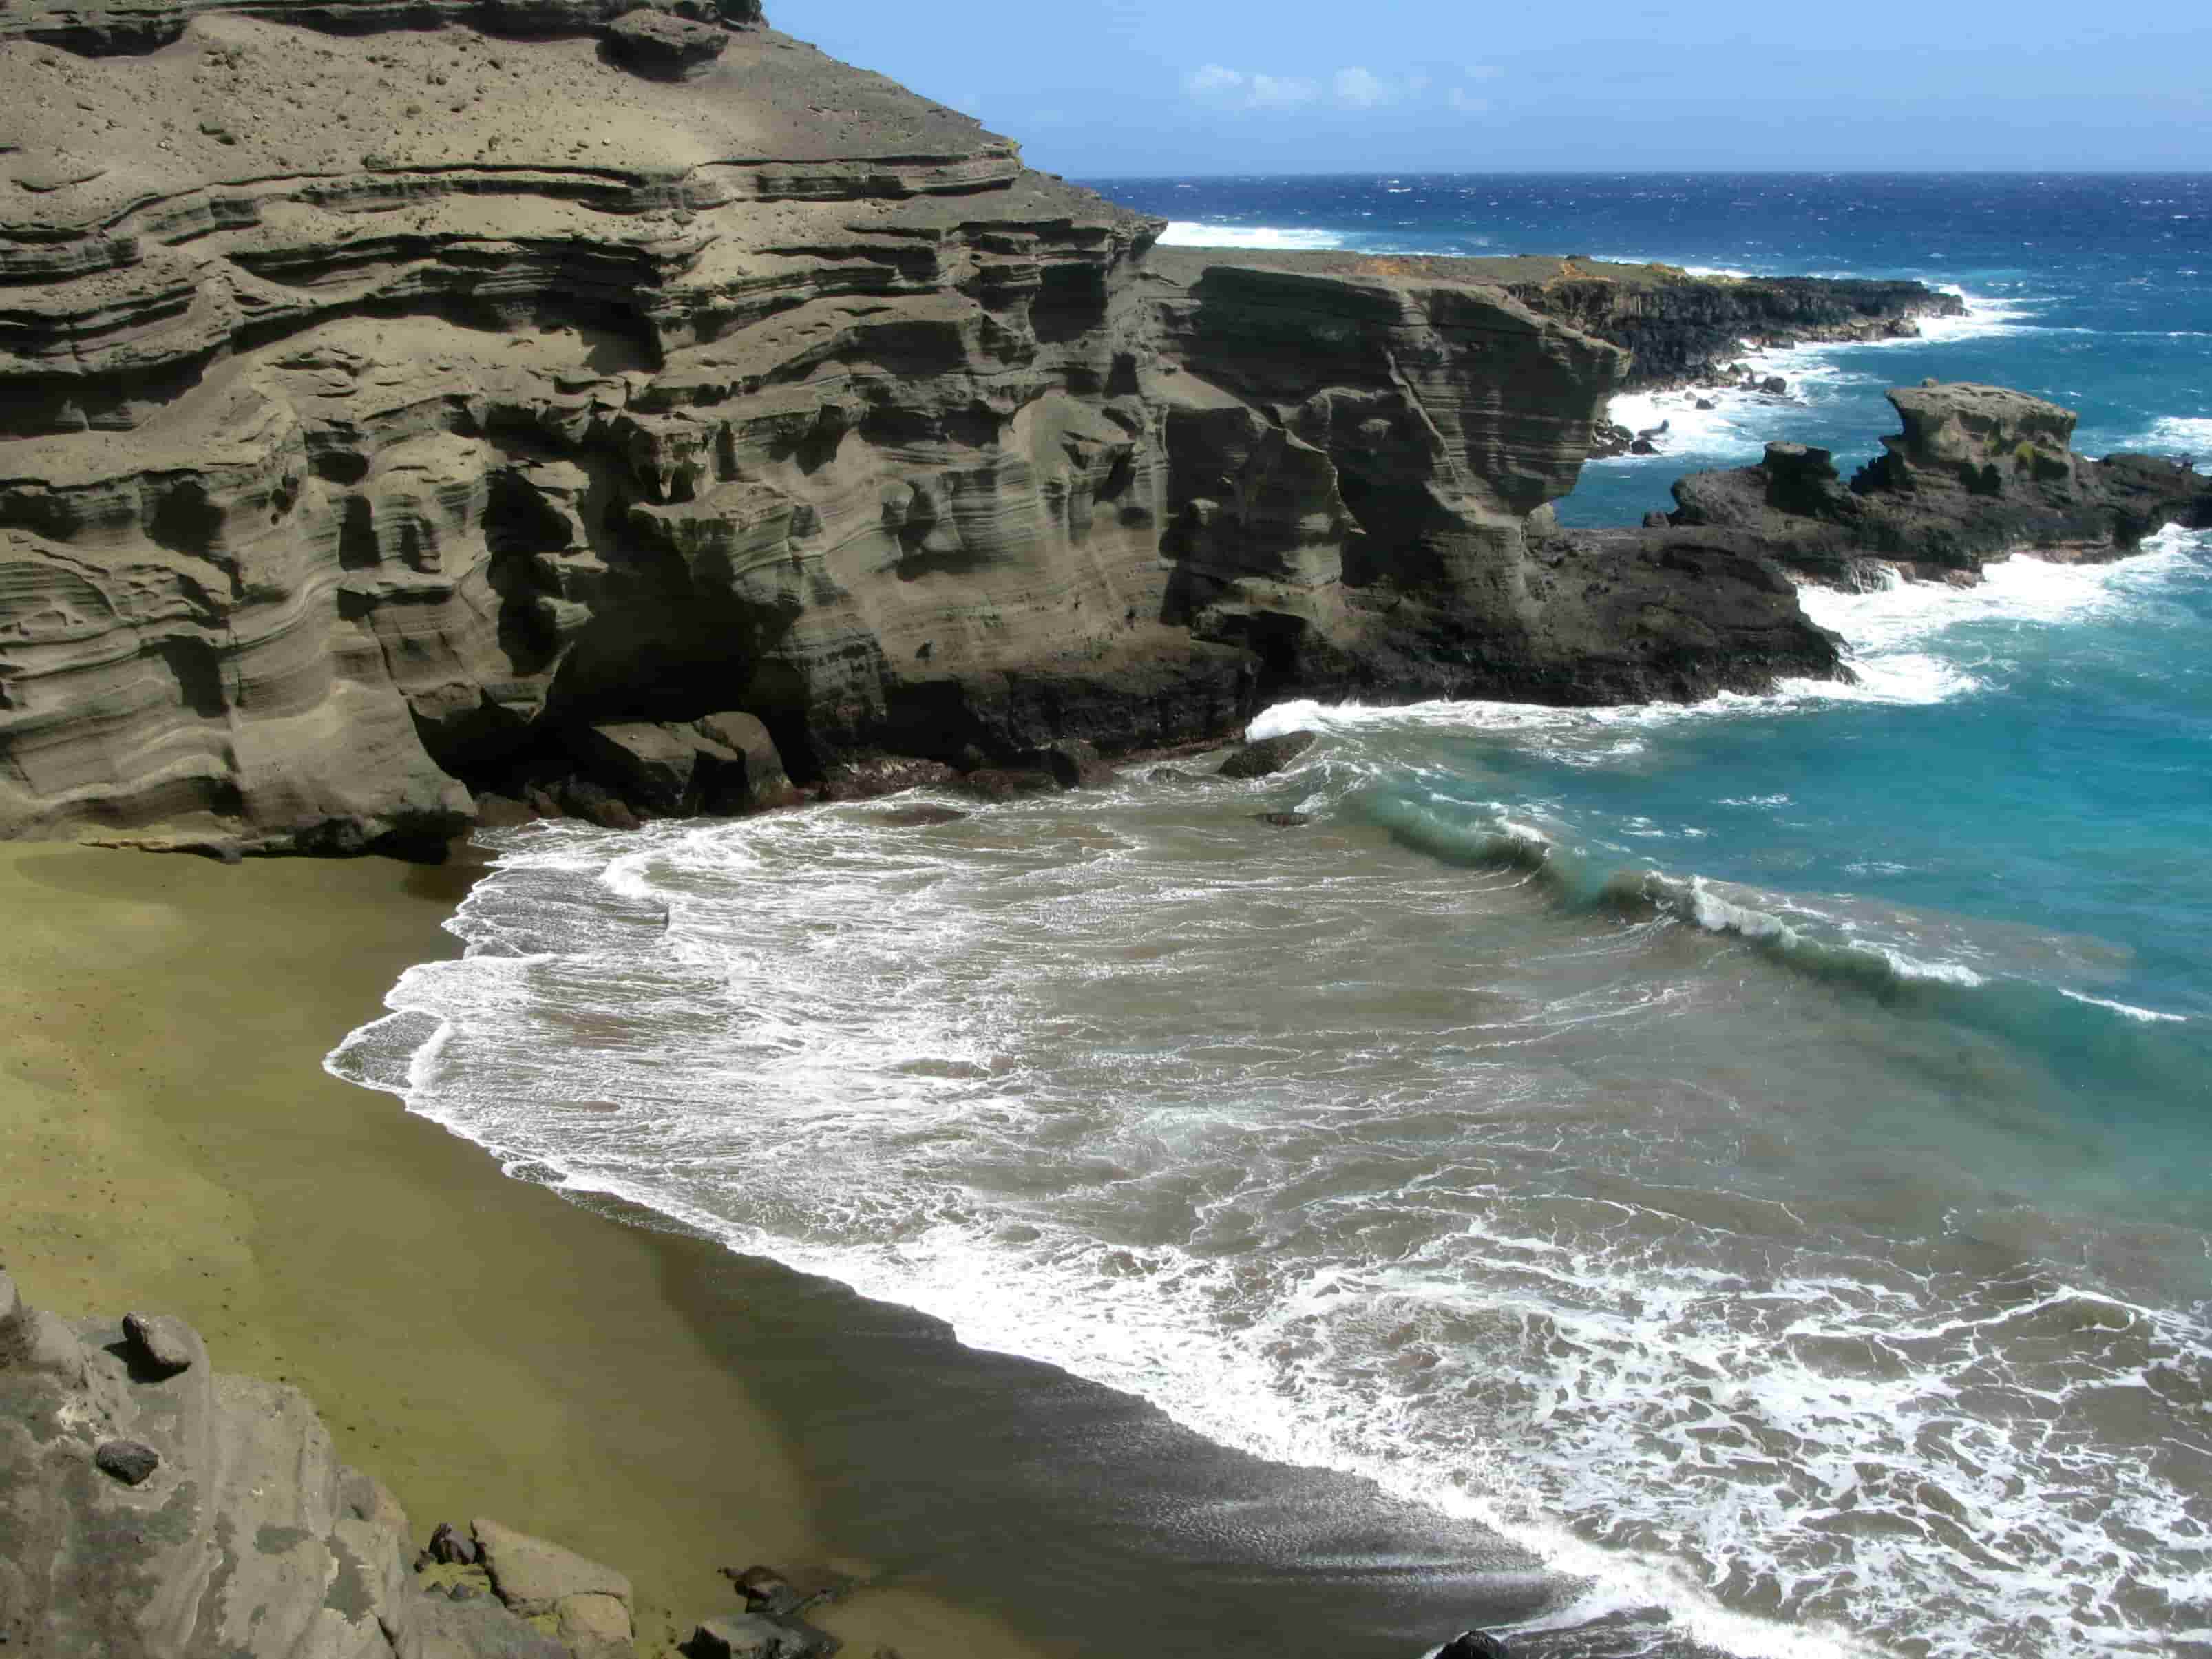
393,396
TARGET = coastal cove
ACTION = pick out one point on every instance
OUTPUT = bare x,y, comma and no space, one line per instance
837,893
1989,1057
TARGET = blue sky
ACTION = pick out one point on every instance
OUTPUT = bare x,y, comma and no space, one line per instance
1100,88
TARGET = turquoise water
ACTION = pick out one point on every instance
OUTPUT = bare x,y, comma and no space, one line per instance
2049,772
1753,1156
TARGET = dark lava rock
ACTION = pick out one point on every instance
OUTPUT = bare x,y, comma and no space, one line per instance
664,47
1174,774
764,1590
450,1547
918,817
869,775
1257,760
752,1636
1609,439
783,1593
594,803
1474,1644
1071,763
739,768
130,1461
1706,402
1775,386
1285,820
497,812
1644,446
1978,472
1005,783
162,1345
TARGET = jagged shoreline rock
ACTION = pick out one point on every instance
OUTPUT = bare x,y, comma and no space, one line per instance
1978,472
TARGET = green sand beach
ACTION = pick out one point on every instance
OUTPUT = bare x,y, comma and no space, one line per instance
478,1343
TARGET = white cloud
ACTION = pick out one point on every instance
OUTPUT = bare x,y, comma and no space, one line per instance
1362,88
1281,91
1212,82
1483,71
1235,88
1467,103
1355,86
1248,87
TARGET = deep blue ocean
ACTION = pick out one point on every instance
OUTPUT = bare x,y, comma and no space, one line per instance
1813,1257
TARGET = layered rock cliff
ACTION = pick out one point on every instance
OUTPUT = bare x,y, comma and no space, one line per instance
389,396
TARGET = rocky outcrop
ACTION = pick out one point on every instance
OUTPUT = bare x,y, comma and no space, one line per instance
521,376
152,1508
1678,329
1682,330
1978,472
1264,757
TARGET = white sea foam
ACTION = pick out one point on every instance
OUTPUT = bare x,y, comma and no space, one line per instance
1985,315
1734,271
835,1044
1738,425
1189,232
1896,635
2019,592
1689,430
2185,434
2141,1016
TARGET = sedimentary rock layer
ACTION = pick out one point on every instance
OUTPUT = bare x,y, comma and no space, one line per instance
394,399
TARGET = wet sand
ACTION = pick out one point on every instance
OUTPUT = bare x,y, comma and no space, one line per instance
486,1347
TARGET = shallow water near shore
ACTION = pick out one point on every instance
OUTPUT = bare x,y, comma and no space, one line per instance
1750,1158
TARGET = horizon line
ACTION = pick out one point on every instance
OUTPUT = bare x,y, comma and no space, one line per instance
1674,173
